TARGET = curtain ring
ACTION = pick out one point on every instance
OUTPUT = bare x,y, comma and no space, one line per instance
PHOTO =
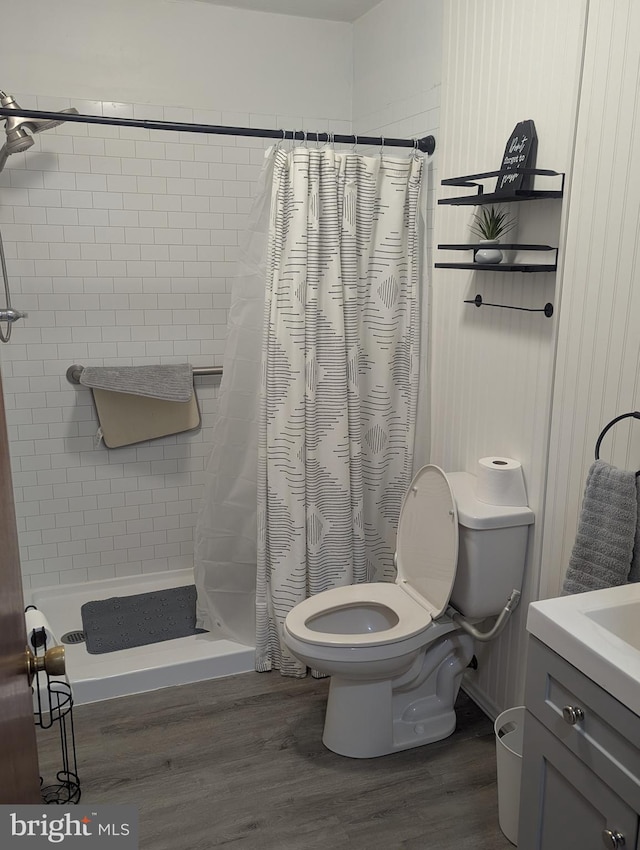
381,145
280,141
355,142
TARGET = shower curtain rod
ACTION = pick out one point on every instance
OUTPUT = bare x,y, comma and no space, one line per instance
427,144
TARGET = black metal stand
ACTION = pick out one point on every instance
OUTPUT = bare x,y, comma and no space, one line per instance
54,707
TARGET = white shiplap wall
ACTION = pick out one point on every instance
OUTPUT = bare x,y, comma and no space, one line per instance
492,370
397,50
598,362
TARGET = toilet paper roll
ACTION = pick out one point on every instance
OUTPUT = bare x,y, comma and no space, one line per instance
35,621
500,481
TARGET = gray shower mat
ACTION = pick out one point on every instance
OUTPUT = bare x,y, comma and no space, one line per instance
122,622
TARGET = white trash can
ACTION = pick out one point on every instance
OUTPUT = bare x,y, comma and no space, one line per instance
509,729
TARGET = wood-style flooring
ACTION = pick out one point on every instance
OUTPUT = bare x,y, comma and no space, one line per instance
239,762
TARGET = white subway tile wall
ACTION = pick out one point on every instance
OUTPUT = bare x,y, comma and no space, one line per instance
121,246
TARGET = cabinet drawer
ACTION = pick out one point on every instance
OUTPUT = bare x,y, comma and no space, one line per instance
604,735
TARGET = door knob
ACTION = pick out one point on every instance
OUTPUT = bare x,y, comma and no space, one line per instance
52,662
611,839
572,714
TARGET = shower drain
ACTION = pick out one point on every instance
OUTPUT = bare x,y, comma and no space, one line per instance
74,637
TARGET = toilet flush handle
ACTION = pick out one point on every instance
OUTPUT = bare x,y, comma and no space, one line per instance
498,626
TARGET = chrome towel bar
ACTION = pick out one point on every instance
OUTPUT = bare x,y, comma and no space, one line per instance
74,372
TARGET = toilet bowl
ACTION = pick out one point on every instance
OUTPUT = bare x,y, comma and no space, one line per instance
394,651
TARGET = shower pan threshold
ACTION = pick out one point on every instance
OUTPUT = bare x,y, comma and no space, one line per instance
142,668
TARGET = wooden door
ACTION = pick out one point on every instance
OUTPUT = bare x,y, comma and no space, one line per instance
19,780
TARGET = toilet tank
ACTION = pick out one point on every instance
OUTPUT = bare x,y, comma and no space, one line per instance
492,550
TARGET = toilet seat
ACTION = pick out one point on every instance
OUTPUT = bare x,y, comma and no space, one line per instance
412,617
426,559
427,542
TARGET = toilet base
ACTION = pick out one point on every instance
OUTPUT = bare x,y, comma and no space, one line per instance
370,719
380,734
348,702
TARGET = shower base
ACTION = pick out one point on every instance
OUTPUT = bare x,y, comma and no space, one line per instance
143,668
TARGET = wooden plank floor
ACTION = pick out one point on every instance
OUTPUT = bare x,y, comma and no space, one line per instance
239,762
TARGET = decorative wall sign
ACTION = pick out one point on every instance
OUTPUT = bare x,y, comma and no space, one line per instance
519,153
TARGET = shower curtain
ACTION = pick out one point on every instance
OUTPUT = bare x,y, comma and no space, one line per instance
339,379
317,408
225,535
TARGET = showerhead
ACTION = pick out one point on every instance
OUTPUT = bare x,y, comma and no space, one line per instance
18,140
19,130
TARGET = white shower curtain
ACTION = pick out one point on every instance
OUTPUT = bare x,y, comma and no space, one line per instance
226,529
339,379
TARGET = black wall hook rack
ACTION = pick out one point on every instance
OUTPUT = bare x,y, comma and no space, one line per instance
547,309
635,414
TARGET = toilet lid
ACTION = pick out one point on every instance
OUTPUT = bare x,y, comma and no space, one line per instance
427,547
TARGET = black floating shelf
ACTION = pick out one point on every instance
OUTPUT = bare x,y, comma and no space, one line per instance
511,246
470,181
493,198
500,267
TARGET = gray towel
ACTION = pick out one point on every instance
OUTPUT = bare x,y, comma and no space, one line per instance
171,383
601,555
634,572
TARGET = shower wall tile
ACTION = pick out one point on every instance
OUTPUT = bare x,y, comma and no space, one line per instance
121,246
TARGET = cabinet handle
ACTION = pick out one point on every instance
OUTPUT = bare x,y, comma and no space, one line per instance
572,714
612,840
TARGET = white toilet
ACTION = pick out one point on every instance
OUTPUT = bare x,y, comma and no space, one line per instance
396,652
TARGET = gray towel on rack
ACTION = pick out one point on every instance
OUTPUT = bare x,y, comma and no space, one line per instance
171,382
634,572
601,555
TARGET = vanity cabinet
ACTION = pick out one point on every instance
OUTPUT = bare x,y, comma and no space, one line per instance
581,761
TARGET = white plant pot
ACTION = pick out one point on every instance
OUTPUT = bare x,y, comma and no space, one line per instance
489,254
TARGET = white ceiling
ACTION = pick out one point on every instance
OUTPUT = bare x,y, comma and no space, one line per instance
330,10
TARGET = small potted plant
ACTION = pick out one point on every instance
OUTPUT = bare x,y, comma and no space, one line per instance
489,225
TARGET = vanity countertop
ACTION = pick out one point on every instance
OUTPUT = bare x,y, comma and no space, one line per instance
597,632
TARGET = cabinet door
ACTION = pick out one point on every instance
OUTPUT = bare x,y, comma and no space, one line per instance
563,804
606,738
